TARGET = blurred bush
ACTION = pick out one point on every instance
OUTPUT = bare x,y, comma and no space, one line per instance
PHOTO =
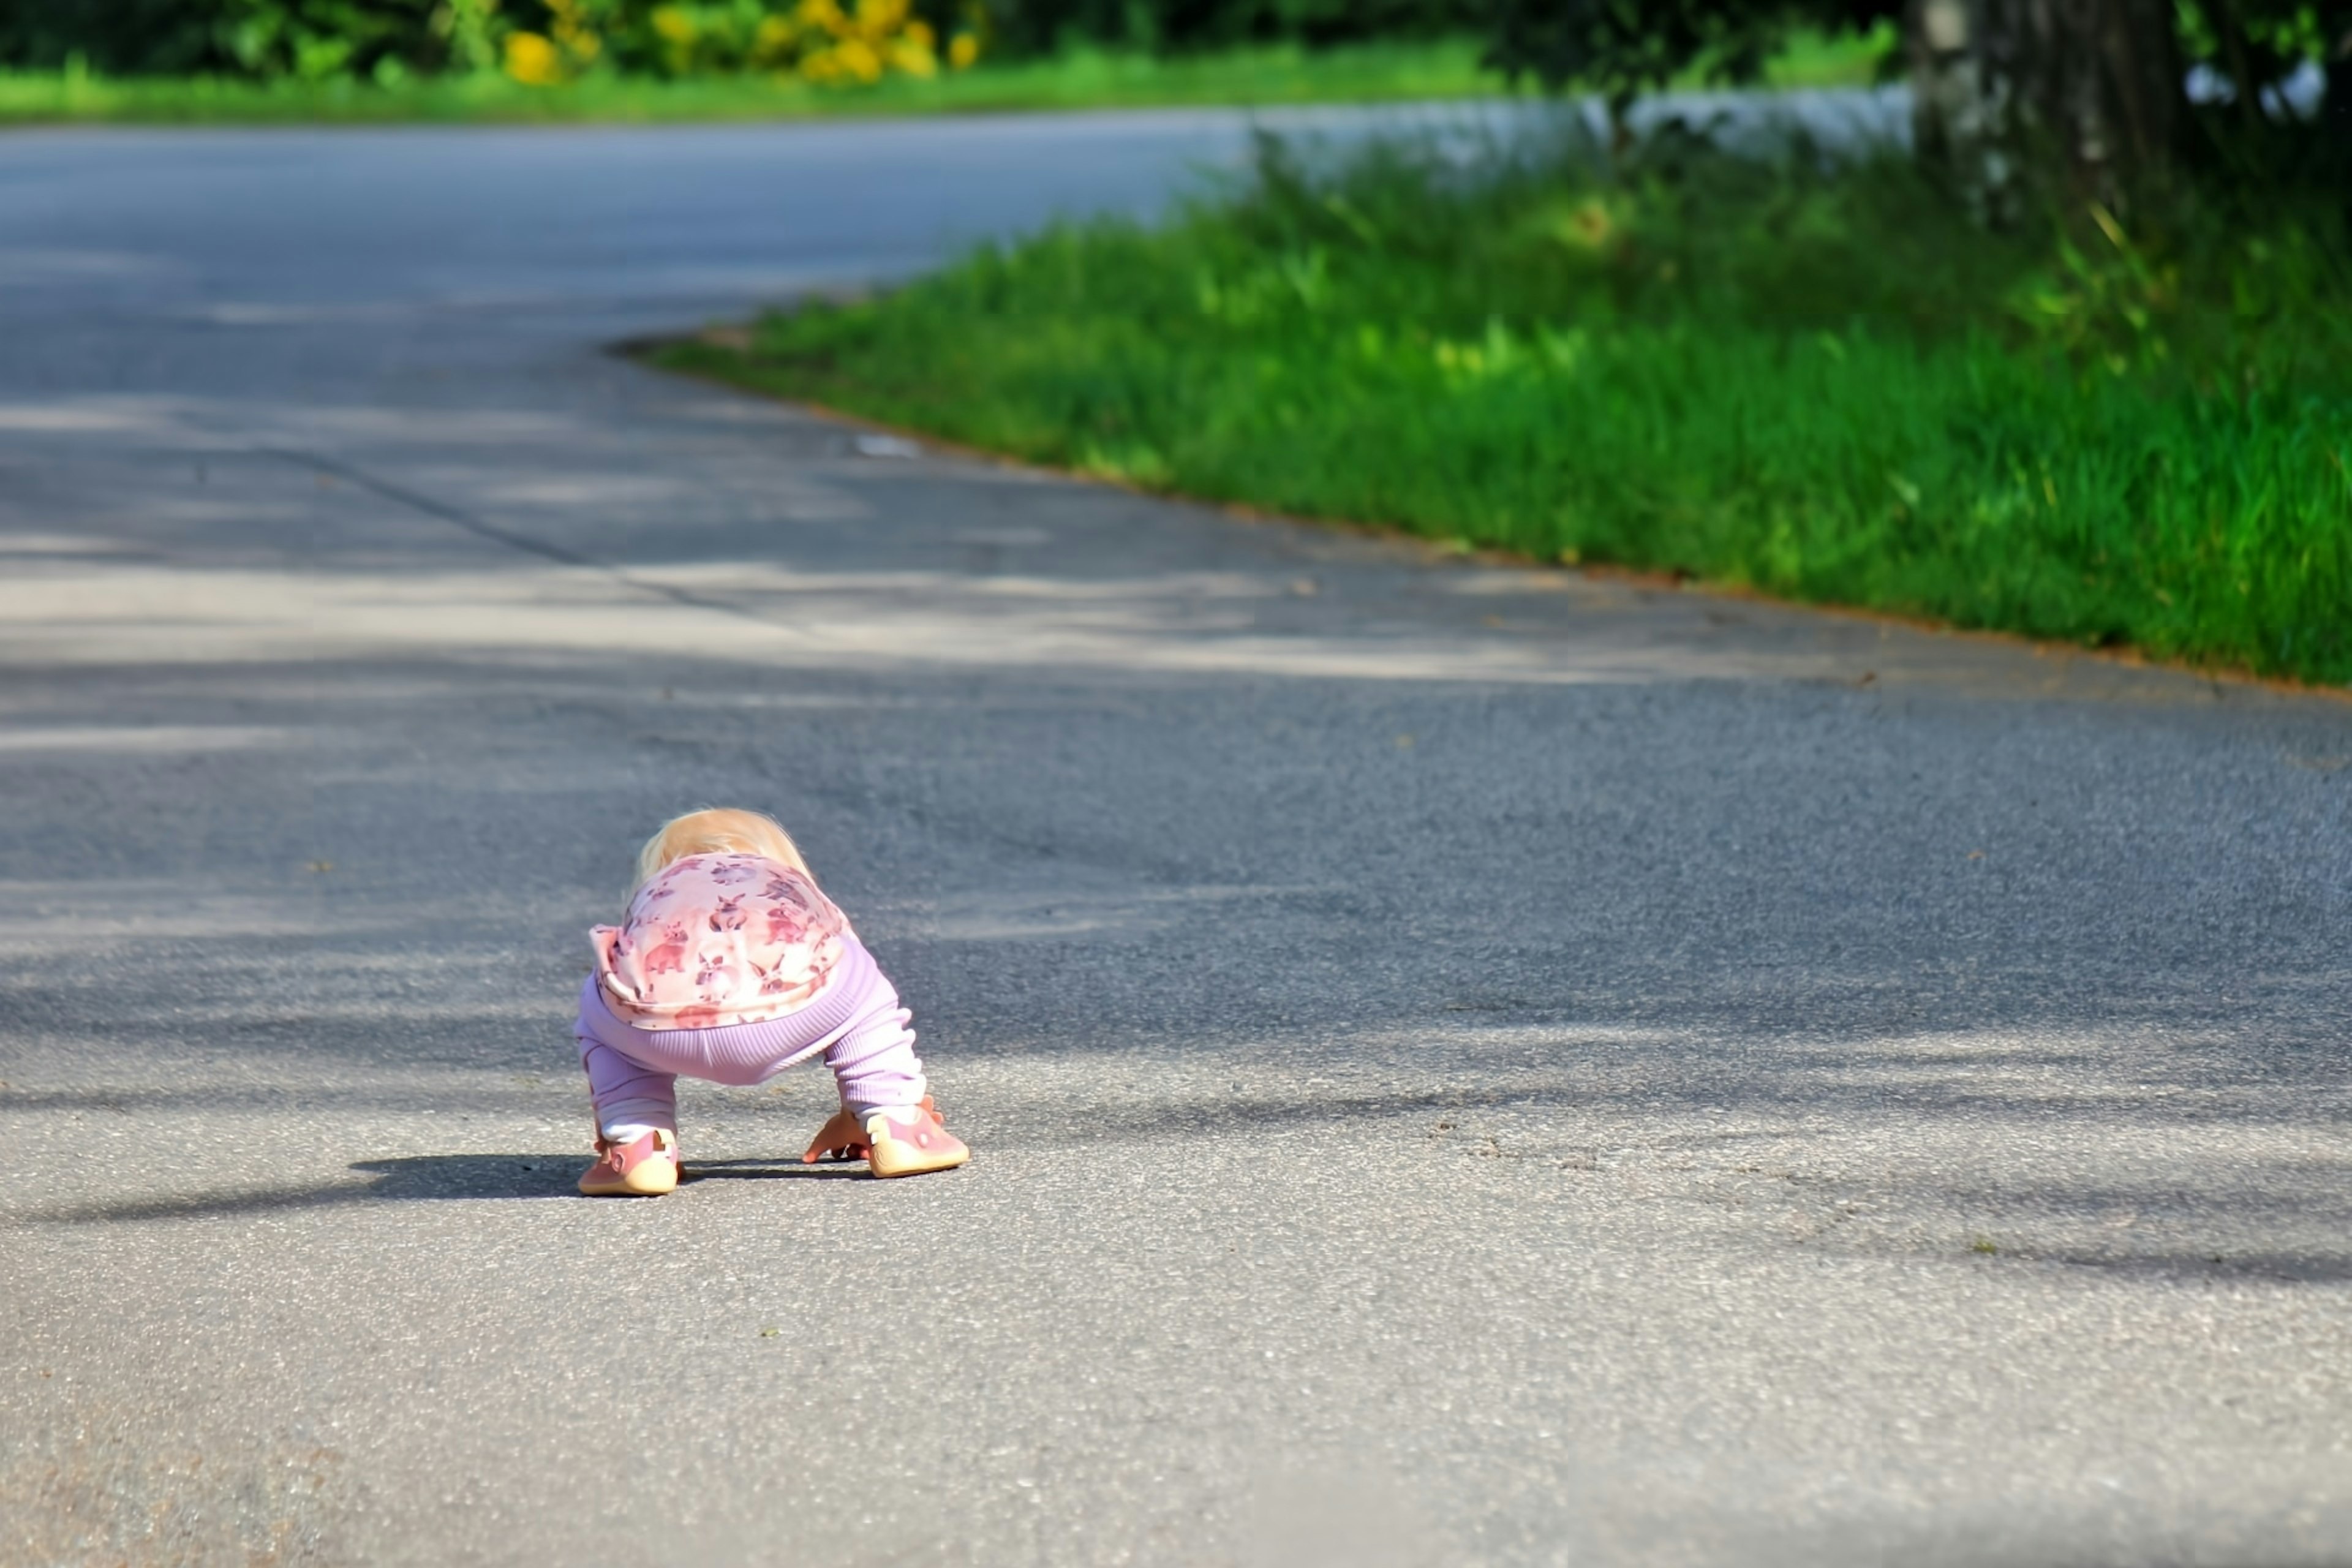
1036,26
263,38
548,41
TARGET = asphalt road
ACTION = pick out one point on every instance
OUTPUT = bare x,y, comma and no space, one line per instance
1466,1065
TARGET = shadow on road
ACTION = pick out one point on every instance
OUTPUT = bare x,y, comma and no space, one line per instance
426,1177
470,1176
769,1171
422,1176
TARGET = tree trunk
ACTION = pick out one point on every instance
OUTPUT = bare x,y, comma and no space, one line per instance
2026,102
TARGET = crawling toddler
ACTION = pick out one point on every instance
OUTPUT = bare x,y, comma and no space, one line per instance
732,965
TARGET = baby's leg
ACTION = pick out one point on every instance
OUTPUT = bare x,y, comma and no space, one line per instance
637,1108
631,1098
882,1095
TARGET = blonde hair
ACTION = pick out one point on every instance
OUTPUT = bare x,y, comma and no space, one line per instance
716,829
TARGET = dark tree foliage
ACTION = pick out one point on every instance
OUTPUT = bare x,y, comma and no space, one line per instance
109,35
2258,41
236,37
2334,158
1036,26
1623,47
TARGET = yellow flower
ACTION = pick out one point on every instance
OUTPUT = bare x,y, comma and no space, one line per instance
532,60
844,42
859,59
820,17
915,50
962,51
914,58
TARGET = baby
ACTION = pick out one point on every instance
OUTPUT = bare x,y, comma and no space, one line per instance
732,966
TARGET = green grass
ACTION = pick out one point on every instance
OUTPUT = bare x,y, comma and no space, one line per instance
1824,388
1443,68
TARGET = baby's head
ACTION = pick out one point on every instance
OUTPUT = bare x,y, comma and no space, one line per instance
717,831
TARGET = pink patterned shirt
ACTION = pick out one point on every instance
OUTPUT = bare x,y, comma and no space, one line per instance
714,939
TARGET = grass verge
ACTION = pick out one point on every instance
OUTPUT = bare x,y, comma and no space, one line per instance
1824,386
1442,68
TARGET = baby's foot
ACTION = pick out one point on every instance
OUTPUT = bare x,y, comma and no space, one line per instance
646,1168
911,1141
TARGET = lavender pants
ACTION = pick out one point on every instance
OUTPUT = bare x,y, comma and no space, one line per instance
856,1022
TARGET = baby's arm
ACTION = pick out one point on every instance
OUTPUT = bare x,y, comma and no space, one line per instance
841,1138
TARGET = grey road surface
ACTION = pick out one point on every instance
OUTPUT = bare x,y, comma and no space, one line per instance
1467,1065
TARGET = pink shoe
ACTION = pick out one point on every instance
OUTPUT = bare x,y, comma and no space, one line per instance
911,1147
645,1169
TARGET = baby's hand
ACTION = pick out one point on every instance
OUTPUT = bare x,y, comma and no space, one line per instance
841,1138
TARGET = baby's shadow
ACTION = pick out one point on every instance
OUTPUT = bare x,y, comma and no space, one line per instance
771,1171
408,1179
427,1178
424,1178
